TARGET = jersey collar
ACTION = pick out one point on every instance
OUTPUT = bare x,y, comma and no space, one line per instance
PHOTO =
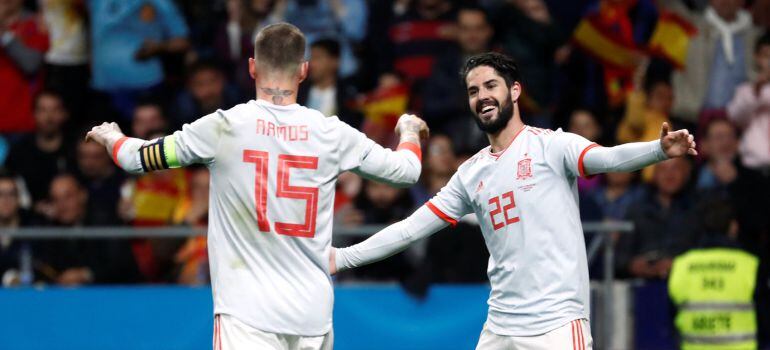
274,106
498,154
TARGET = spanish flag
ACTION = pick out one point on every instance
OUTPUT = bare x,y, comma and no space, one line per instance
671,38
384,106
609,48
381,109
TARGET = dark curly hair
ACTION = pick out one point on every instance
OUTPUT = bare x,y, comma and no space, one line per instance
504,65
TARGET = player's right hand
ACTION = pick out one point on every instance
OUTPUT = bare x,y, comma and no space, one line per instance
106,134
411,124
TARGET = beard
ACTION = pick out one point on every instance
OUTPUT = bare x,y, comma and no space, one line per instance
494,125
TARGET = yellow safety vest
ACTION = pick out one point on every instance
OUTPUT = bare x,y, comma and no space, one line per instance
713,290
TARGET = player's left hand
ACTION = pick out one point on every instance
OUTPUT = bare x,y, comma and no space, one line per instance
332,261
106,134
677,143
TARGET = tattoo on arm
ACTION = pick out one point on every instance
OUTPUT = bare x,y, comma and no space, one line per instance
410,131
277,94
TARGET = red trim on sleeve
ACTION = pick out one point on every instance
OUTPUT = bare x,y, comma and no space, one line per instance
116,149
411,146
581,168
441,214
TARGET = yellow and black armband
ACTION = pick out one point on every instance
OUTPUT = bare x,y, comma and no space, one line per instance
159,155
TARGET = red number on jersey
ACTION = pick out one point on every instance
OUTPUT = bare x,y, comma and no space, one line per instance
511,205
309,194
260,185
285,190
497,210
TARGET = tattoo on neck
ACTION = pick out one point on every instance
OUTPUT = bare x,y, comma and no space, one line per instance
277,94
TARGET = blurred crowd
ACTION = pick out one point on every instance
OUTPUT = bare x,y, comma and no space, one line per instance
153,65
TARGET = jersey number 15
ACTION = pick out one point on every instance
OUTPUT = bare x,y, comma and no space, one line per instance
284,190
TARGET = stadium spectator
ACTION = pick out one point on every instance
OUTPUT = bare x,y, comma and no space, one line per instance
723,176
459,256
382,107
415,39
718,58
719,289
207,91
379,204
646,109
584,123
663,223
443,95
342,20
440,163
750,109
529,33
325,90
601,73
192,257
12,216
102,181
154,200
148,118
234,40
37,158
66,70
23,41
128,39
615,194
72,261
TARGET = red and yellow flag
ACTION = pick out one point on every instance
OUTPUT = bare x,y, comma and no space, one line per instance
609,48
671,38
384,106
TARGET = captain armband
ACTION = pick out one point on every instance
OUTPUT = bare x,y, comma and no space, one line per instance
159,155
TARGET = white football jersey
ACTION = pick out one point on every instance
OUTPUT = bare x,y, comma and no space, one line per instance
273,174
525,199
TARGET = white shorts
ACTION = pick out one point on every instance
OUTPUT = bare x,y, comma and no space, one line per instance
575,335
232,334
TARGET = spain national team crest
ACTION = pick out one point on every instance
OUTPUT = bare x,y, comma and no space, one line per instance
524,170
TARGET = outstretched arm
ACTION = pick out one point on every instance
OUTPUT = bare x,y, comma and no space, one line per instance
637,155
195,143
400,168
389,241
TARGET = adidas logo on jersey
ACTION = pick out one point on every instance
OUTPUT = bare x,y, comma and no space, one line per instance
480,186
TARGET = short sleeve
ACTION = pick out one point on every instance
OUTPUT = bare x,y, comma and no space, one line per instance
353,146
173,22
451,202
198,142
566,150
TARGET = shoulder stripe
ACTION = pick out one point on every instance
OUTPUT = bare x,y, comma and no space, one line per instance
581,167
440,214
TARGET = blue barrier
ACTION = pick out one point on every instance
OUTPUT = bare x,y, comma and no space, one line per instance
371,317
